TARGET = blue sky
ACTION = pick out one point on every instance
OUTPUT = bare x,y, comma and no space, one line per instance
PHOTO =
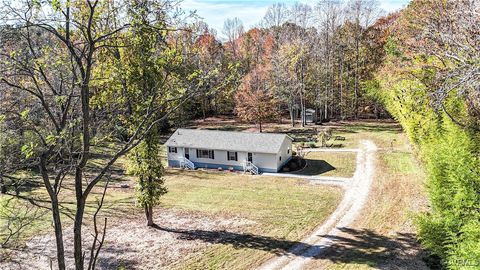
251,12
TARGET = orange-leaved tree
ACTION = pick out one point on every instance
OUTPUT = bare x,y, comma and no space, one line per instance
254,100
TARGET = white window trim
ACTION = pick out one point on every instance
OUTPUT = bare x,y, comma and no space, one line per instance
210,154
230,158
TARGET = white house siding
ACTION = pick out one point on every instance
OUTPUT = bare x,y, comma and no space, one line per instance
175,156
220,159
284,153
265,162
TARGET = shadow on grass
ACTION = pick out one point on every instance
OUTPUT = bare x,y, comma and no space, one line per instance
227,128
376,250
112,262
353,246
237,240
356,127
315,167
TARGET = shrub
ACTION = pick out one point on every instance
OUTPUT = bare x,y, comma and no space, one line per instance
293,166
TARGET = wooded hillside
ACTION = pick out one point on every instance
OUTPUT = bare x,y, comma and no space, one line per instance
78,75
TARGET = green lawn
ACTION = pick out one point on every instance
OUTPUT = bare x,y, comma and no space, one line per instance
280,211
283,211
340,164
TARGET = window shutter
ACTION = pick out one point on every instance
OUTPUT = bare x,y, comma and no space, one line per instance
197,153
213,154
236,156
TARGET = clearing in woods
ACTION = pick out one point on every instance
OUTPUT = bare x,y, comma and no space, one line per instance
220,220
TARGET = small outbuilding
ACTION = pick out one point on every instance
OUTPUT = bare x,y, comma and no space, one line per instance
310,116
228,150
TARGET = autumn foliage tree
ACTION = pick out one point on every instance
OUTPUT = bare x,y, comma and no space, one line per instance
254,100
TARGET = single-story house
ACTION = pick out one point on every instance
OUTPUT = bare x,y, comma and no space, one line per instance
241,151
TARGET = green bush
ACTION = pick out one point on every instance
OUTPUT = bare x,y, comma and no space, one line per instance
451,155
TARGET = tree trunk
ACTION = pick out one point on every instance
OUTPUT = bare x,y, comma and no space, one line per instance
326,111
77,234
320,112
149,215
3,187
302,115
292,116
342,116
355,106
57,223
204,113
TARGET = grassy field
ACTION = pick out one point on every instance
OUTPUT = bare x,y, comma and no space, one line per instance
283,211
279,212
384,235
341,164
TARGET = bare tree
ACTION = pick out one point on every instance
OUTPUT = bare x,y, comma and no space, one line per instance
450,35
276,15
233,29
48,64
329,17
361,13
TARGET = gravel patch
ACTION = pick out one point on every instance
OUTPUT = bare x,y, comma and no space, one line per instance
130,243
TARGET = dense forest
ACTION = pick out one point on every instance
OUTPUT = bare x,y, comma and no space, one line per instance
429,81
77,75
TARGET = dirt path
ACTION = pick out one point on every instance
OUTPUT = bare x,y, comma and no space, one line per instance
355,197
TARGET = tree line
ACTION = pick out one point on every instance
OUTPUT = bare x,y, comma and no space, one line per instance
429,82
78,76
302,56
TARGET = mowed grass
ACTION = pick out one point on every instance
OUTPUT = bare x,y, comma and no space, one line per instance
340,164
383,236
282,211
278,212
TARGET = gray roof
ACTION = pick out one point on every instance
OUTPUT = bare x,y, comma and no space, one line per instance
227,140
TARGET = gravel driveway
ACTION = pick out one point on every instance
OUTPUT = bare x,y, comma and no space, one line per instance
353,201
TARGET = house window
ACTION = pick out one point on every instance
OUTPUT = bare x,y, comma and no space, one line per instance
288,151
280,158
172,149
202,153
232,156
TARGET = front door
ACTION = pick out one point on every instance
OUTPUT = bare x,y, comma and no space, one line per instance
187,153
250,157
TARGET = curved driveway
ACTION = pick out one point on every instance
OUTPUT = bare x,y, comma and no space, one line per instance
356,194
